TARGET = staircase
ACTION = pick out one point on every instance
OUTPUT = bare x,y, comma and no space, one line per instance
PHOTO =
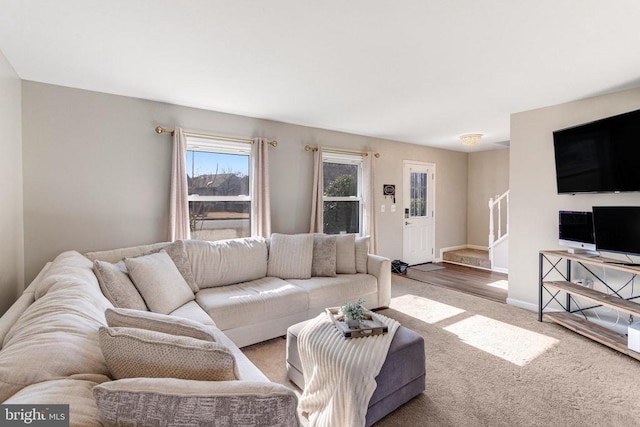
478,258
495,256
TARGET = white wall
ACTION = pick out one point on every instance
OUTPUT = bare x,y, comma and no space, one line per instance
11,246
96,175
488,176
534,199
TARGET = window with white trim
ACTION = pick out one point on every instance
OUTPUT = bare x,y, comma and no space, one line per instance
218,174
342,198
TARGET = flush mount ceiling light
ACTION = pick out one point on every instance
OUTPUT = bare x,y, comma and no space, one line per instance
470,139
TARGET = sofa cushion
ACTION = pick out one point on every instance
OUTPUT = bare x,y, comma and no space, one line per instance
227,262
56,336
362,254
152,401
290,256
132,352
324,256
118,317
252,302
193,311
115,255
159,282
117,286
334,291
346,253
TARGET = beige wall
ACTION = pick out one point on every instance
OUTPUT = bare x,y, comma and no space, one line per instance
11,249
534,199
488,176
96,175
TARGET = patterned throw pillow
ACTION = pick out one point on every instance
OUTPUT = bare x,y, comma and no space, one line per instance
324,256
117,286
132,352
170,401
290,256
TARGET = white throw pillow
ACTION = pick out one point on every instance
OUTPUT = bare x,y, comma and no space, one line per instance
346,253
290,256
159,282
362,254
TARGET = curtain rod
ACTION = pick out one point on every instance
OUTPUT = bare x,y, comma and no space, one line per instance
335,151
160,129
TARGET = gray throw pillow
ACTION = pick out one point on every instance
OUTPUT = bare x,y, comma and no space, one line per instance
116,285
176,402
122,317
324,256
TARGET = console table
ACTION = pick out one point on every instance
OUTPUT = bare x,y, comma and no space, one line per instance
573,317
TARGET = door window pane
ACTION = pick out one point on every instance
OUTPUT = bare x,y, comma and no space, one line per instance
418,194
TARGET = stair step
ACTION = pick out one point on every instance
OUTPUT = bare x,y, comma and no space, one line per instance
471,257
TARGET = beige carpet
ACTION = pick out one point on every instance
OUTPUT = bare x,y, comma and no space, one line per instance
490,364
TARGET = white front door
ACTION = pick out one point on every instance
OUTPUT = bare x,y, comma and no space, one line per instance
419,210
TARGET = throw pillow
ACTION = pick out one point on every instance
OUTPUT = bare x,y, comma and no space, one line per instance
176,402
132,352
159,282
116,285
324,256
346,253
121,317
290,256
178,253
362,254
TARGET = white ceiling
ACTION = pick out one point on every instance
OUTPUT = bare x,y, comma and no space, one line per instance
420,71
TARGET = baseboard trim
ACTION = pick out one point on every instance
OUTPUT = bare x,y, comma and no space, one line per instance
522,304
501,270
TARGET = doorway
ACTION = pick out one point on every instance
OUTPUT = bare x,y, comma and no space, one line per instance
418,225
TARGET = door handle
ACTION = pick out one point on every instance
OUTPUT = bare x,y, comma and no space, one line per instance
407,223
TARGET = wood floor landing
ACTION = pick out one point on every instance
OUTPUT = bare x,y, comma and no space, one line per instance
481,283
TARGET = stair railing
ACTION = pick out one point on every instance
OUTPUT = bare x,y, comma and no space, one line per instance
496,204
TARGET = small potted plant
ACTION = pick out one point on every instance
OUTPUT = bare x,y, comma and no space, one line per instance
353,313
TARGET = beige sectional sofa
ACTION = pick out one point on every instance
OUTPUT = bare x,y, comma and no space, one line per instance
244,291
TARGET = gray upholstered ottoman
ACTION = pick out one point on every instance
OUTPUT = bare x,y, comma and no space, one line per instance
401,378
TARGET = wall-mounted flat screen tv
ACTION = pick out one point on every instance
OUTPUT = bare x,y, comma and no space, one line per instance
600,156
617,229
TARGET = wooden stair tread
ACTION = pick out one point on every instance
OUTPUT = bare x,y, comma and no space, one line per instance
614,302
593,331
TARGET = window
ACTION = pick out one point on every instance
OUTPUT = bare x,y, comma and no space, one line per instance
219,189
342,200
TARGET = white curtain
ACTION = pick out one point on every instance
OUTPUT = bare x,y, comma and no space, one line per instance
317,205
178,205
369,220
260,197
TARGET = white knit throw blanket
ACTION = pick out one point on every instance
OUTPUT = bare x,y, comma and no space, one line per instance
340,373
